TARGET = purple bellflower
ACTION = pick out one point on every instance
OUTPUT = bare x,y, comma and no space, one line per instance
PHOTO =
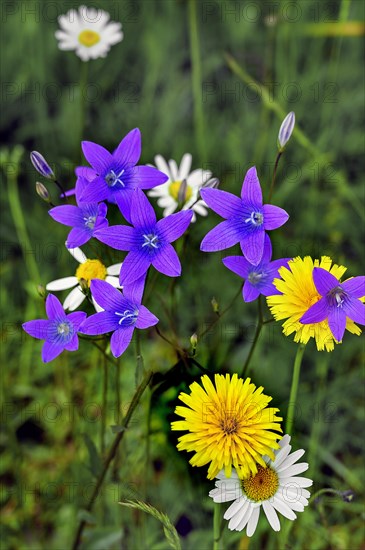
258,278
122,314
247,219
59,331
148,242
85,219
339,301
116,174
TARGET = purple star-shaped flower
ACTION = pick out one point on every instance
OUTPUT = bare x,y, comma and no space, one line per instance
59,331
259,278
339,301
85,219
246,221
148,242
122,314
116,174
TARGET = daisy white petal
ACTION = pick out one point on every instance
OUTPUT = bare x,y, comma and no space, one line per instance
88,32
114,281
62,284
114,269
78,254
74,299
171,195
275,488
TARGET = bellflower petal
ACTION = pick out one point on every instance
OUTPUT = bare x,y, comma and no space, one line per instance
145,318
77,237
224,235
238,264
85,172
266,257
96,155
37,329
134,291
337,322
66,214
324,280
77,318
123,201
251,190
167,261
120,340
173,226
120,237
129,149
51,350
74,344
223,203
135,265
252,245
54,309
274,216
355,286
99,323
355,309
250,292
108,297
97,190
147,177
316,313
142,213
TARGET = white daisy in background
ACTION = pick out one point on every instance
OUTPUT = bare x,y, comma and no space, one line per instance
87,270
89,32
182,186
275,488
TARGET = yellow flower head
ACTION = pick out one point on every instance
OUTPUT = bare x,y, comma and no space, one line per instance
298,293
228,424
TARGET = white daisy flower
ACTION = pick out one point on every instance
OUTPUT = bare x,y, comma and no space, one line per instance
89,32
275,488
169,194
86,271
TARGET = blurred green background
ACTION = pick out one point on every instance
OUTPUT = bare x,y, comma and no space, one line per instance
214,79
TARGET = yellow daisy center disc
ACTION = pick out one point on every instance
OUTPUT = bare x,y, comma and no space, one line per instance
91,269
174,189
262,485
89,38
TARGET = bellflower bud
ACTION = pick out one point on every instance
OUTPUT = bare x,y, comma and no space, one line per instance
286,130
42,191
215,305
41,165
212,183
181,196
194,341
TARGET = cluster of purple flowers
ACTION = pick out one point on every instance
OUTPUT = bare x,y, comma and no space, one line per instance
115,178
246,221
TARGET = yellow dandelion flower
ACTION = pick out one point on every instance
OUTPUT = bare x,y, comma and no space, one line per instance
298,293
229,424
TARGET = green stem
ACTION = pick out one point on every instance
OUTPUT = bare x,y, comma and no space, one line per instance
259,326
274,176
294,389
324,491
196,79
111,454
216,526
217,319
84,71
104,405
21,228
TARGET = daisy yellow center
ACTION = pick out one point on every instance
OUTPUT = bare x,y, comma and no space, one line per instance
262,485
89,38
91,269
174,189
